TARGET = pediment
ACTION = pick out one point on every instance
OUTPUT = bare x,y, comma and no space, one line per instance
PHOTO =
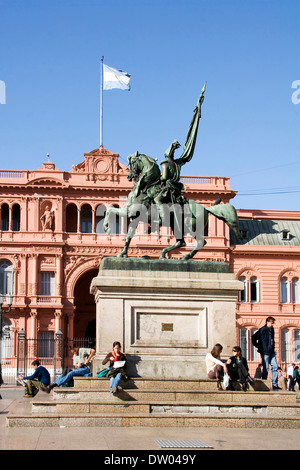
44,181
100,152
101,163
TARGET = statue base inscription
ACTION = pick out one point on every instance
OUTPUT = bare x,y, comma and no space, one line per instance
167,314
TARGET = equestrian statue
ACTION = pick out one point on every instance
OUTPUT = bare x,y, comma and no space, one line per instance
157,197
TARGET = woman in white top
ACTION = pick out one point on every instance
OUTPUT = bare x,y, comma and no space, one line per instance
215,367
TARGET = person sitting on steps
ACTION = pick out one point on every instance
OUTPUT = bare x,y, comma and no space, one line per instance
39,380
115,374
81,369
238,368
215,367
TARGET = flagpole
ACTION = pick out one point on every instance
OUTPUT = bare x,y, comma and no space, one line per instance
101,103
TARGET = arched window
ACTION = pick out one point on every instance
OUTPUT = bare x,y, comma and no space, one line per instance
99,218
244,337
16,217
295,290
114,224
6,277
243,295
248,350
254,356
4,217
289,290
285,345
254,289
284,290
250,293
296,345
71,218
6,342
86,219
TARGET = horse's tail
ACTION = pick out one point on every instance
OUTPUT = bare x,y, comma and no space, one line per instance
227,213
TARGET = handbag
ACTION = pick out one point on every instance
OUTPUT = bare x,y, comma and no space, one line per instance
226,380
103,372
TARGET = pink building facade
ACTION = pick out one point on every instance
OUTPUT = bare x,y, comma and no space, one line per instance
267,261
52,242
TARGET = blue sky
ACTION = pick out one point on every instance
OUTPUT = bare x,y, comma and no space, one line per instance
246,50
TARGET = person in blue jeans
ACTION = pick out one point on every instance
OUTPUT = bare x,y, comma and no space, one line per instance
83,357
265,343
115,374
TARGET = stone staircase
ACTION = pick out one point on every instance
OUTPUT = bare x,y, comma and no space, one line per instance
161,403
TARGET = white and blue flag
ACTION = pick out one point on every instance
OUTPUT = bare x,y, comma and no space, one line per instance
113,78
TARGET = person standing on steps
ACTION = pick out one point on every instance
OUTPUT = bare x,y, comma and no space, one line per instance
264,341
215,367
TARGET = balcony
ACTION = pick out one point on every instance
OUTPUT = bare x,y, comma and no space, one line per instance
53,301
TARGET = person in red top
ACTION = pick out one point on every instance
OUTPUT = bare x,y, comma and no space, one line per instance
115,374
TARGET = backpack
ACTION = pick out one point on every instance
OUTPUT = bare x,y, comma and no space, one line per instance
103,373
256,341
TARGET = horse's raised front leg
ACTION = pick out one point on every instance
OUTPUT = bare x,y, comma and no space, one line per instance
130,233
121,212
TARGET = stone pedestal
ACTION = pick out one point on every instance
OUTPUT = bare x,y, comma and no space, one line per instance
167,314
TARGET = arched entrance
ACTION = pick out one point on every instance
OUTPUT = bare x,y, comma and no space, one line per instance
85,307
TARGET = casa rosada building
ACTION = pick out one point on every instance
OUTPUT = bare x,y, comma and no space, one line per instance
52,242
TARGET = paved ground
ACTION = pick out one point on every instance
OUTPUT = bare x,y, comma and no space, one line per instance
132,439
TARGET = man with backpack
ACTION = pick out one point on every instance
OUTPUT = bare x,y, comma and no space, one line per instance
264,341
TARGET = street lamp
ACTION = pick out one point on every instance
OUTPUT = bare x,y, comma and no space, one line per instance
9,302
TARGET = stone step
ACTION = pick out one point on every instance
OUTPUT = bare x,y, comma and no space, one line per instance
167,407
158,402
126,395
161,384
153,420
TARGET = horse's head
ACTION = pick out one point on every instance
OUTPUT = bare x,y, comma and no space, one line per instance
134,167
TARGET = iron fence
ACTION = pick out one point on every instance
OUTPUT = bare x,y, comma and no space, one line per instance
53,353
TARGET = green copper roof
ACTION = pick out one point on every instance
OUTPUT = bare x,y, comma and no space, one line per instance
268,232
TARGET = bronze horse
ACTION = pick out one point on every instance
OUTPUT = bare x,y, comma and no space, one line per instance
140,206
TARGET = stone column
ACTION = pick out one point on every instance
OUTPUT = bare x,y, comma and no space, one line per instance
57,316
33,323
59,275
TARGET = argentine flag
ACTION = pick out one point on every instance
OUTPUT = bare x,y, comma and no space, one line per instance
113,78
